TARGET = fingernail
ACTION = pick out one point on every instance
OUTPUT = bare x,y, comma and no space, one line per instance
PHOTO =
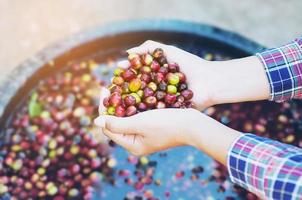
100,122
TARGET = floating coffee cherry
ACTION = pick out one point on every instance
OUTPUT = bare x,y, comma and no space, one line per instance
118,80
150,101
155,66
150,82
171,89
115,99
177,104
106,102
145,70
137,97
170,98
180,99
147,59
129,74
118,71
187,94
130,100
145,78
160,95
172,79
131,110
120,111
142,106
160,105
162,86
148,92
111,110
159,78
115,88
182,87
135,85
162,60
182,77
163,70
135,61
173,67
158,53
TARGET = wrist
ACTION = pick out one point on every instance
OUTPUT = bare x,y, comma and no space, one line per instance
213,138
239,80
200,126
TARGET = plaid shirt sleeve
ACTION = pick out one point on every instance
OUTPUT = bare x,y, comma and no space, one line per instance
283,68
270,169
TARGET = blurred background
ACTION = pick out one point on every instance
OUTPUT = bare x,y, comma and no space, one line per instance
29,26
49,120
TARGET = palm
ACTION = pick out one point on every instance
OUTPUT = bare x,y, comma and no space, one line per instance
199,75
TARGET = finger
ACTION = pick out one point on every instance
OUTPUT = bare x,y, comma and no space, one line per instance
126,141
104,93
123,125
147,47
138,49
124,64
119,125
100,122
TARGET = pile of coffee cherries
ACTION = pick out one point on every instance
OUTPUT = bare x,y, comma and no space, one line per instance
150,82
49,150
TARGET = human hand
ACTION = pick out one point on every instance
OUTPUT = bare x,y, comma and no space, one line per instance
216,82
152,131
212,83
198,73
139,133
155,130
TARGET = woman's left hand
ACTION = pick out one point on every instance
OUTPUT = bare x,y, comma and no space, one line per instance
154,130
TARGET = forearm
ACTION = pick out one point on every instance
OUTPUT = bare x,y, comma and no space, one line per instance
252,161
213,138
240,80
274,74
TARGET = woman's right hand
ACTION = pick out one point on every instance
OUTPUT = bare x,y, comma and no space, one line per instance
200,76
216,82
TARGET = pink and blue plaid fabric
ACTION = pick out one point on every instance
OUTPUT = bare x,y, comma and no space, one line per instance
268,168
271,169
283,68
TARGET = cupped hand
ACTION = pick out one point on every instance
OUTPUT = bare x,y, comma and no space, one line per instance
155,130
151,131
200,76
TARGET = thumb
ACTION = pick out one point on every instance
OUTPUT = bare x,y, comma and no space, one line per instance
119,125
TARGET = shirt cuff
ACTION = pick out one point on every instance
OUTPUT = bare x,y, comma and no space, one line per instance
268,168
283,68
238,161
